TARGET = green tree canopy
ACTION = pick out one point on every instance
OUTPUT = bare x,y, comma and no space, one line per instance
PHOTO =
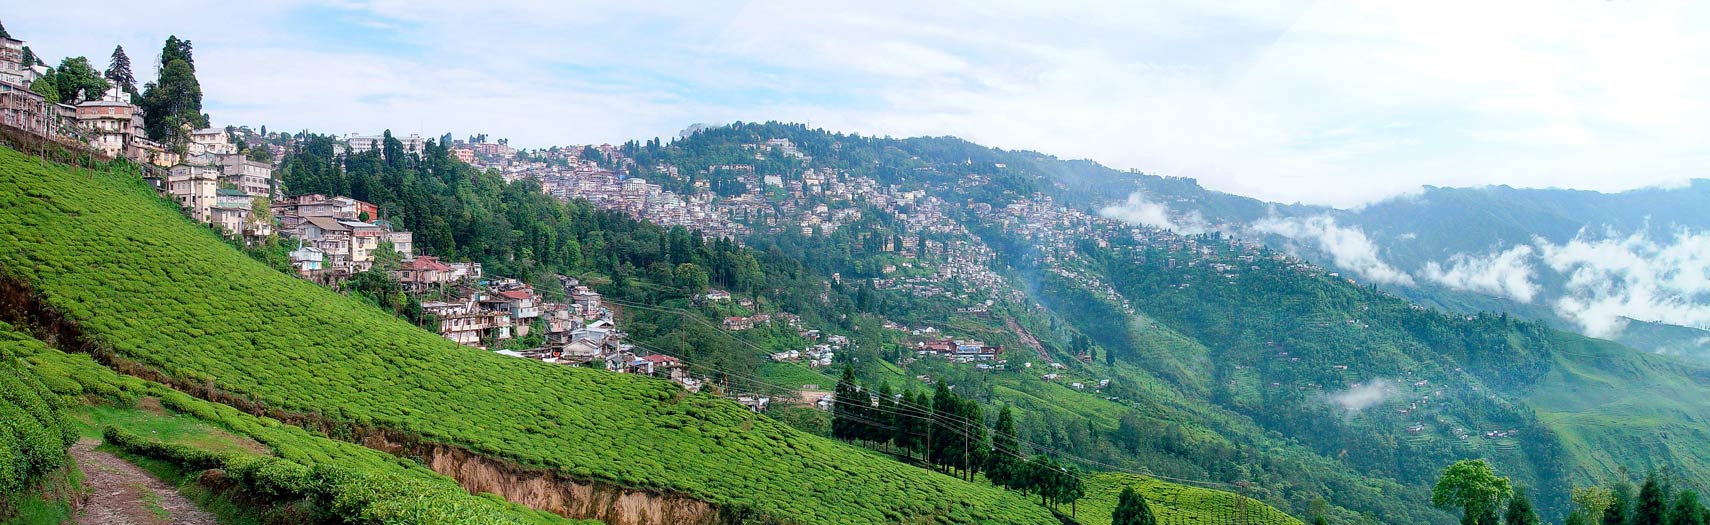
1520,511
119,71
1652,506
44,86
1686,510
1131,509
1592,502
1006,452
173,104
1472,486
1621,505
78,81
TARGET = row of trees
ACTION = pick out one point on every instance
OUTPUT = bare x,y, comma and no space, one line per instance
1482,496
948,432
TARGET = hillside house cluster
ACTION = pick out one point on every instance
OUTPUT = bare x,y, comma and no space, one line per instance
338,237
958,350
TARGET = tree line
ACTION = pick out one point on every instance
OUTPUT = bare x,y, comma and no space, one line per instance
947,432
1485,498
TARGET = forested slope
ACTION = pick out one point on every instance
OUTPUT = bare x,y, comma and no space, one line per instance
143,283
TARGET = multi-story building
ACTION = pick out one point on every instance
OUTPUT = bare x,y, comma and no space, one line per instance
331,237
112,124
211,141
13,70
363,143
249,176
231,211
194,187
23,109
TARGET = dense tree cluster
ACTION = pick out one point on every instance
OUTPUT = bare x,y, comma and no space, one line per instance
172,104
948,432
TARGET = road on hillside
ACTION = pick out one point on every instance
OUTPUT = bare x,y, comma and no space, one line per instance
123,494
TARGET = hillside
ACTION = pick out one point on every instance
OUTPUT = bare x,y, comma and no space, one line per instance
195,430
1238,363
1567,257
165,298
1221,507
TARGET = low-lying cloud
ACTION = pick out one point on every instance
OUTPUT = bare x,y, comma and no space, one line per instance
1611,278
1365,395
1506,274
1139,210
1348,246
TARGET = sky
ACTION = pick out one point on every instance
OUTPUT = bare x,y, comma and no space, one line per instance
1329,102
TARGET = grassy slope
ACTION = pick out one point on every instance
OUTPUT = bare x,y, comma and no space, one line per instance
163,414
1615,408
1172,503
169,294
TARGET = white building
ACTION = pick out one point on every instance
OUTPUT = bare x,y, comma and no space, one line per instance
362,143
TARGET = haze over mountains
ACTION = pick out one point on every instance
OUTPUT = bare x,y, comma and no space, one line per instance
1631,266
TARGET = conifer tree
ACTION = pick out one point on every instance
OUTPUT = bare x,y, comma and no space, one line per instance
1686,510
945,445
1001,465
1652,505
119,71
174,101
843,401
1520,511
885,416
1131,509
1621,506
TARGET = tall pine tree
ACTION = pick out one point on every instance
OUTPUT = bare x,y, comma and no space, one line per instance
885,419
1686,510
1131,509
1006,452
1653,502
1520,511
843,424
1621,505
119,71
173,103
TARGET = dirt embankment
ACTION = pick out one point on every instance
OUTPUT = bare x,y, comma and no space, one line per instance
536,488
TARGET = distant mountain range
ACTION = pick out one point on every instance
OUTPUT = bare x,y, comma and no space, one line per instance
1631,266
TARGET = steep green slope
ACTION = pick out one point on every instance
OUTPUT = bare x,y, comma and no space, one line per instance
138,279
1173,503
1615,408
34,432
196,425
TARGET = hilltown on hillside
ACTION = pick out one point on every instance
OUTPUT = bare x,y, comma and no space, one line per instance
224,177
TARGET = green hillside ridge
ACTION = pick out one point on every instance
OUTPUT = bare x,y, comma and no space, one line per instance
139,279
1616,409
1212,506
115,401
34,436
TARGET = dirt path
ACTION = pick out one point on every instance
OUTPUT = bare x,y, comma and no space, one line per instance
123,494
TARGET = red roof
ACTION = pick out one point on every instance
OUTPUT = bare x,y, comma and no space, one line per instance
427,263
516,294
659,359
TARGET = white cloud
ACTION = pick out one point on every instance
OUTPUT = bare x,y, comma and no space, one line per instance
1507,273
1140,211
1348,246
1611,278
1365,395
1288,101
